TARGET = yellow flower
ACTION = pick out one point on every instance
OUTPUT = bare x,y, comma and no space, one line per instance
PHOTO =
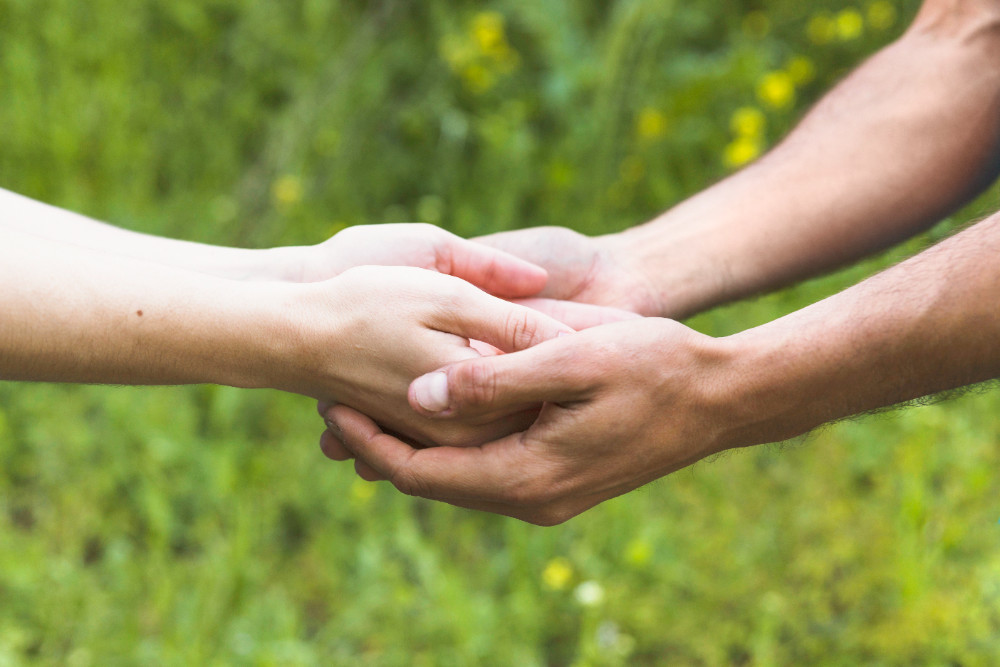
748,122
756,24
287,190
638,553
488,32
881,14
362,492
557,574
741,151
821,29
651,124
850,24
776,90
801,69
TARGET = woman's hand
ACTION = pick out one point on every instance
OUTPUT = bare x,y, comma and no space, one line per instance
364,336
419,245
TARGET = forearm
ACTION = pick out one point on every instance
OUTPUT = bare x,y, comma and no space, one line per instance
49,222
74,315
908,137
924,326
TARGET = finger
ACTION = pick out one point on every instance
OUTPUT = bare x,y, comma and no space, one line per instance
484,349
491,270
480,474
473,314
333,448
366,472
552,372
323,406
579,315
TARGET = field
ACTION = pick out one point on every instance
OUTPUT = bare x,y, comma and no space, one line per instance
201,525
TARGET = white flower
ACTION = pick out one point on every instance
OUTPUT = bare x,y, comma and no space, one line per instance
589,594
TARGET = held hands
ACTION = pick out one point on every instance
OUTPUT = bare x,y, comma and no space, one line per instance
399,323
603,430
371,330
492,269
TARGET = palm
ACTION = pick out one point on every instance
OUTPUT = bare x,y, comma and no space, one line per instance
581,268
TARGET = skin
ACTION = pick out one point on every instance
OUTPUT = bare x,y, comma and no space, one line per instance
419,245
911,135
75,313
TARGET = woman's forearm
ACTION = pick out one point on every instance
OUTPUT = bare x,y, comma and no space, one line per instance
905,139
75,315
49,222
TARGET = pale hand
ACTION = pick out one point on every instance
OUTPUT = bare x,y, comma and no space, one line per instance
418,245
369,332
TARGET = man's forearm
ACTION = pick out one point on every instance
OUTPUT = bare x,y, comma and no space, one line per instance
926,325
907,138
49,222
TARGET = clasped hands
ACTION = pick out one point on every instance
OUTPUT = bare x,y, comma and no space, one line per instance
538,406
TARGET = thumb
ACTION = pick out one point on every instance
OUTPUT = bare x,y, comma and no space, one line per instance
548,372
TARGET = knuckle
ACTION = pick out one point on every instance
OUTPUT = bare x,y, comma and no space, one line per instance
407,483
474,384
521,328
551,516
450,291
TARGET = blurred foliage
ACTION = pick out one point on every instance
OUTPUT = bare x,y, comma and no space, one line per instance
199,525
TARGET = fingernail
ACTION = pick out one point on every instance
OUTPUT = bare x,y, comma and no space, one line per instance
332,425
431,391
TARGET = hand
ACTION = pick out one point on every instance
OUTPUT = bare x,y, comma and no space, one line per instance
592,270
368,333
625,404
419,245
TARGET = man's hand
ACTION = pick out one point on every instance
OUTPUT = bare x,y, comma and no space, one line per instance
624,404
582,269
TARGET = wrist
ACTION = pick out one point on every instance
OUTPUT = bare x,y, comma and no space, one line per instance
291,264
302,328
780,385
272,339
681,261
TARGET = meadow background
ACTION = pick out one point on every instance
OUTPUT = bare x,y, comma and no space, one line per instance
201,525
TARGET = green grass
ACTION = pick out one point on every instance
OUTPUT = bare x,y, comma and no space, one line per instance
201,525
